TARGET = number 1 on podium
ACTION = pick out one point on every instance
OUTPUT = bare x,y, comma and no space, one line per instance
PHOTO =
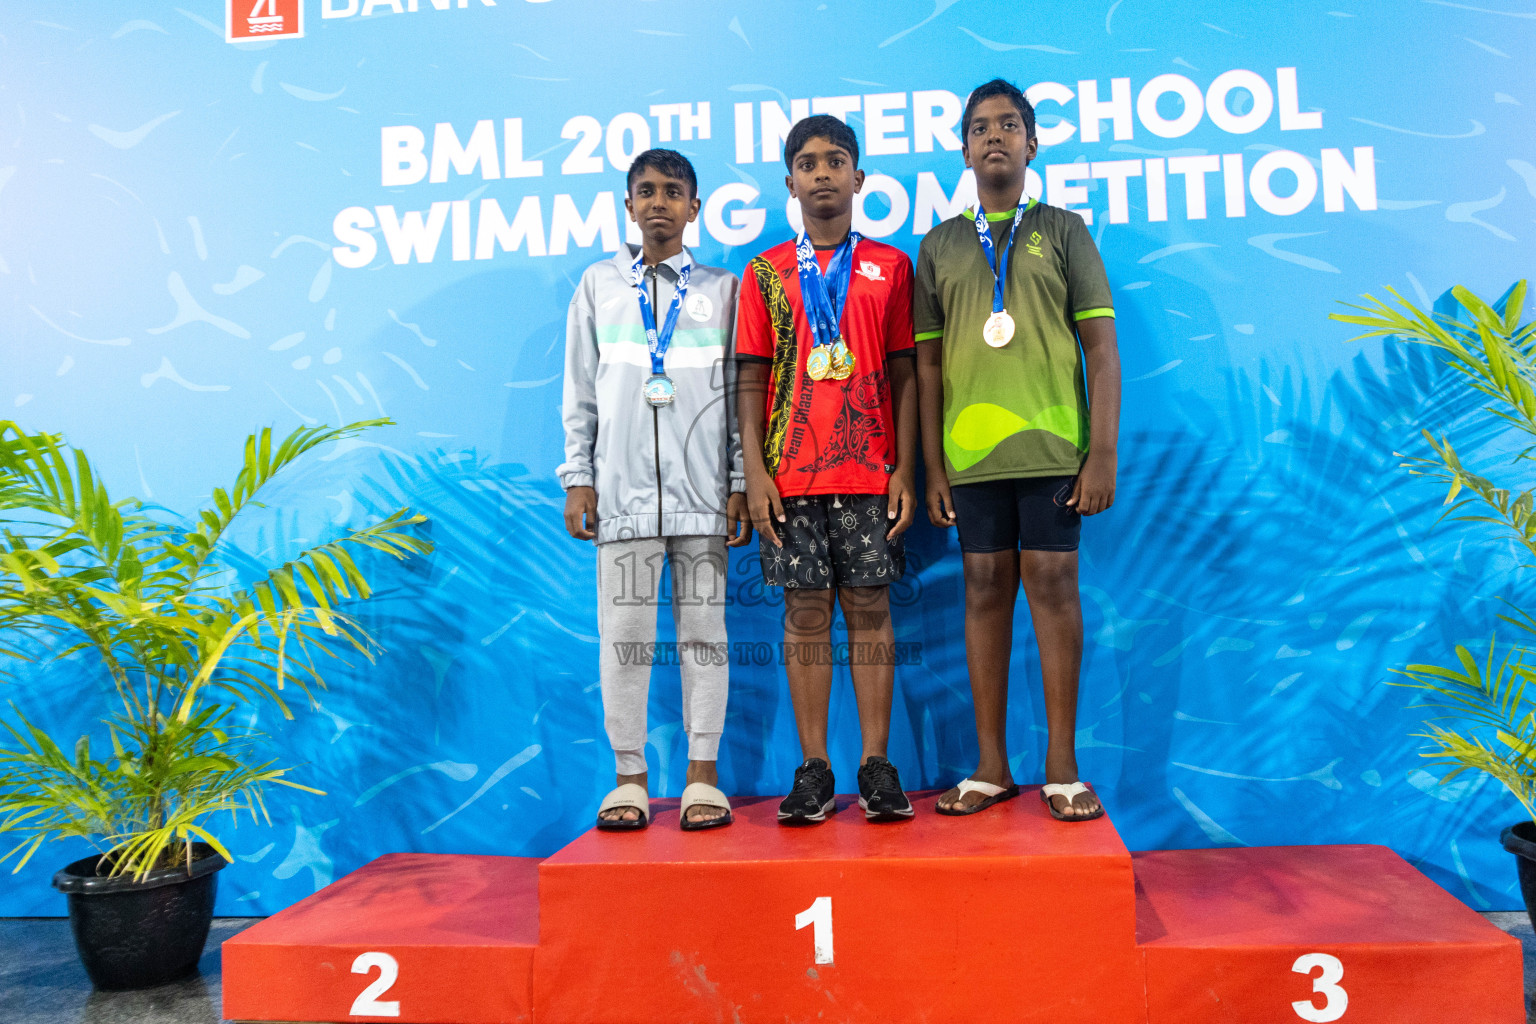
819,916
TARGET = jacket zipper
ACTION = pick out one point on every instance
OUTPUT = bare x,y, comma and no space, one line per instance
656,415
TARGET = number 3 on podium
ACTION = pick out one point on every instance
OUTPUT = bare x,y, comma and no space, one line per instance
819,916
1326,984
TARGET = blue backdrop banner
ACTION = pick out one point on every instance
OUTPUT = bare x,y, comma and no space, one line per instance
285,212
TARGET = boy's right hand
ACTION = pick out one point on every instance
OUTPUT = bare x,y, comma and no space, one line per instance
581,513
764,506
941,504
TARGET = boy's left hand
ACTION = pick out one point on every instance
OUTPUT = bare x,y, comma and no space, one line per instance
901,497
738,524
1095,488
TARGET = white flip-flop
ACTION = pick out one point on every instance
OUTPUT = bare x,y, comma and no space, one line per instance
994,794
630,794
702,793
1068,790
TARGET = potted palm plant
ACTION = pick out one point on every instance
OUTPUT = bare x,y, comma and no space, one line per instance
1484,695
187,646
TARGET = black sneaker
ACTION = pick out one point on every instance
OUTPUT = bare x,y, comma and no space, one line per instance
812,799
880,792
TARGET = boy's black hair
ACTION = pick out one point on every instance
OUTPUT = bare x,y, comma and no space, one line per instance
820,126
1009,92
669,162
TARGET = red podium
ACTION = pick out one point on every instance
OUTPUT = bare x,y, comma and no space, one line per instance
1315,933
1005,916
935,919
425,938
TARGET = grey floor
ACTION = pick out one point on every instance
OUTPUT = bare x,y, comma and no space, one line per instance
41,981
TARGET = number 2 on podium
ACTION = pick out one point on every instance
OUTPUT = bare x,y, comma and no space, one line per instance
368,1003
1326,984
819,916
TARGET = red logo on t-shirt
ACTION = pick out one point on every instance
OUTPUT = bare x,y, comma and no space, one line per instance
263,19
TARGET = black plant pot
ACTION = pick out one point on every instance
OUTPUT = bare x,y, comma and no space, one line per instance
1520,840
134,934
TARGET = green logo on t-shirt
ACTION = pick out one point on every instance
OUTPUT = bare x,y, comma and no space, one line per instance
982,426
1033,248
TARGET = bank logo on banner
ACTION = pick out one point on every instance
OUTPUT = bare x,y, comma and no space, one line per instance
263,19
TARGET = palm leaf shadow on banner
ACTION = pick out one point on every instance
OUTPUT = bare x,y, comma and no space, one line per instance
1227,660
1296,562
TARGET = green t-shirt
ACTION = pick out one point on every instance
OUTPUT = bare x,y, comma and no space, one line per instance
1020,410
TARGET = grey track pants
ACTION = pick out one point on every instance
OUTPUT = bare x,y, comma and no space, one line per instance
628,580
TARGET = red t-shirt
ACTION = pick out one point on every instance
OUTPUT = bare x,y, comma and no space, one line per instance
828,436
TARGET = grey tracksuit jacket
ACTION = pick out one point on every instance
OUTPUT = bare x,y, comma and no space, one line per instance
658,472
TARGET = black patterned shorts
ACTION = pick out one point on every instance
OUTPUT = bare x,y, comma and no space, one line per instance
833,540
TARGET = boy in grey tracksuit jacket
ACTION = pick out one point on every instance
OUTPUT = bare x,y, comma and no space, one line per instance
667,478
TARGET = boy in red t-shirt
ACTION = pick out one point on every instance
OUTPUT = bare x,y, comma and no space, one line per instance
827,406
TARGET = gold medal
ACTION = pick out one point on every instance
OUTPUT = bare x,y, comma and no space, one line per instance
842,361
819,363
998,330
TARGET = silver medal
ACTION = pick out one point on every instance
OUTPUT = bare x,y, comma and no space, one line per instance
998,330
659,390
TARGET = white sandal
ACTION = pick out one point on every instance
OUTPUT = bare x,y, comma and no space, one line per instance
1068,790
630,794
702,794
994,795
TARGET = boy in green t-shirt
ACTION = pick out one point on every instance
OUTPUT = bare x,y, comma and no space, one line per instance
1011,306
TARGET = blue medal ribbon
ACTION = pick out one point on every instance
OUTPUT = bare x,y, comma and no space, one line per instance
824,295
659,341
984,232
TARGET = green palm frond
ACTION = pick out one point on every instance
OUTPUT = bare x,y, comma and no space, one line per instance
1495,355
1491,697
261,463
1511,765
